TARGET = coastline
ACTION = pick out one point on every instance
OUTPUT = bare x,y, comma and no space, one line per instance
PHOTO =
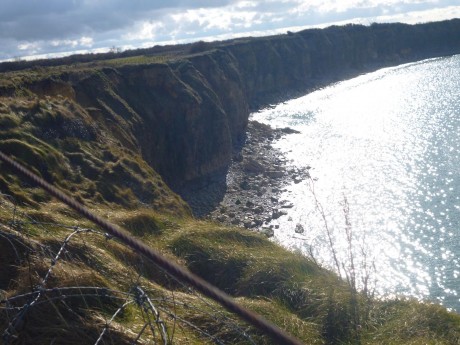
121,139
257,177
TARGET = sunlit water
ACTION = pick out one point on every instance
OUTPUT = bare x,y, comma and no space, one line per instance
389,143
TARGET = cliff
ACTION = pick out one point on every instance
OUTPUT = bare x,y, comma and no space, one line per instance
118,132
183,116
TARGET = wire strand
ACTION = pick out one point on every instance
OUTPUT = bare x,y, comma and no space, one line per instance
172,268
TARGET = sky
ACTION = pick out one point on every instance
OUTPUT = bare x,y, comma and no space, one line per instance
49,28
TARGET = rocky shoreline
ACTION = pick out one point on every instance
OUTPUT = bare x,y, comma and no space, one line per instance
259,173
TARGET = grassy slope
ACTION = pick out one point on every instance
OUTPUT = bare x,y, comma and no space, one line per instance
306,300
62,142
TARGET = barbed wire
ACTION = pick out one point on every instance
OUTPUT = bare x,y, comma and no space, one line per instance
167,265
163,313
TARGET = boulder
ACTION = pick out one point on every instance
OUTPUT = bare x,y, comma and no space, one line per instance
299,229
275,174
269,232
252,166
278,213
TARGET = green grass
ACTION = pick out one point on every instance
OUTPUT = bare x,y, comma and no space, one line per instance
97,162
136,60
17,79
61,142
308,301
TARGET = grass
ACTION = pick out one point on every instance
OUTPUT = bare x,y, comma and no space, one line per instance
305,330
136,60
15,81
290,290
407,321
97,162
60,141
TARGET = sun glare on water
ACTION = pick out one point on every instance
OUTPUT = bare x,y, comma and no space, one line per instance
387,143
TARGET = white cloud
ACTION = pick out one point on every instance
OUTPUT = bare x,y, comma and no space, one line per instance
86,41
244,5
146,30
341,6
415,17
213,20
34,46
29,26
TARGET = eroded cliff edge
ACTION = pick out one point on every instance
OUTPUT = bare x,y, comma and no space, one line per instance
185,115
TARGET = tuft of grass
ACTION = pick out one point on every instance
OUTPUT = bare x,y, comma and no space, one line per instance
242,262
142,223
29,155
307,331
8,121
404,321
10,257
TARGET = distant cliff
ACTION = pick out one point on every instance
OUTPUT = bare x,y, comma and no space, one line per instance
185,115
278,66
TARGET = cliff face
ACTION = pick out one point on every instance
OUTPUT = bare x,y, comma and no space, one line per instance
184,117
169,112
273,68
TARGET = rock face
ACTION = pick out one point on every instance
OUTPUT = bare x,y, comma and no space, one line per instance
185,116
221,70
169,111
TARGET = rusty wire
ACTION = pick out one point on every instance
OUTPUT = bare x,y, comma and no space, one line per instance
170,267
159,312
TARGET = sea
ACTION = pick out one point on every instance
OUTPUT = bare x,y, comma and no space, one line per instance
382,203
